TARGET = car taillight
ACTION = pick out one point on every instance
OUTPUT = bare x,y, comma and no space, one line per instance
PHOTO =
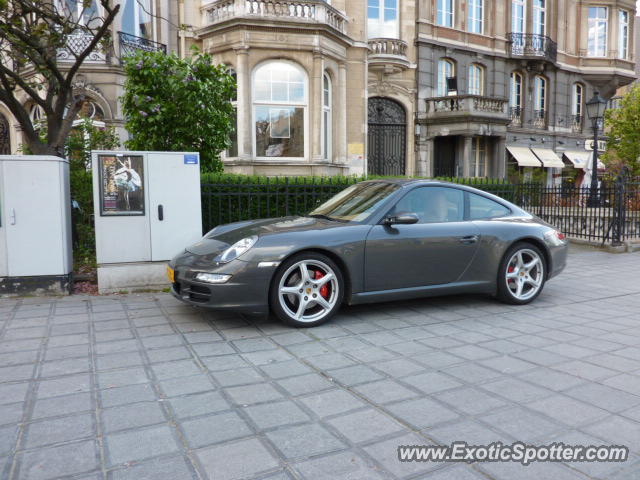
561,236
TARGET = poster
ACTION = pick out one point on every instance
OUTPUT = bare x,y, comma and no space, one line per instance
121,184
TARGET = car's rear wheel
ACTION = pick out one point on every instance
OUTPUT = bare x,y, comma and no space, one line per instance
307,290
522,274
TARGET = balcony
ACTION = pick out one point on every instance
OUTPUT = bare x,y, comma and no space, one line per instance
76,43
474,108
532,46
539,119
130,44
295,12
388,53
515,114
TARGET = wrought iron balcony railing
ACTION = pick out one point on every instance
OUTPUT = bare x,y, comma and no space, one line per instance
76,43
515,113
540,118
311,11
130,44
533,45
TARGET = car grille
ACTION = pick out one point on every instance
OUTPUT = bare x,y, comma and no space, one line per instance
200,294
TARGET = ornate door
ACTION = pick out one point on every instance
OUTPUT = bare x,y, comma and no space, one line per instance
387,137
5,139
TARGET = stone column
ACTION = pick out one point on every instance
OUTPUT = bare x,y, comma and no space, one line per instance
245,142
466,156
315,107
339,112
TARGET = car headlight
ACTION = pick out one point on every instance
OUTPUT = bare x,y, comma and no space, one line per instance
237,249
211,277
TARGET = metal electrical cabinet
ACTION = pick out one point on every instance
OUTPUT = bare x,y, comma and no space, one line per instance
35,225
147,210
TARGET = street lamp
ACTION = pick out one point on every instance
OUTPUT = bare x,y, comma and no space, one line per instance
595,110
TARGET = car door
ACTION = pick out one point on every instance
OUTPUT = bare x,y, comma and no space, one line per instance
434,251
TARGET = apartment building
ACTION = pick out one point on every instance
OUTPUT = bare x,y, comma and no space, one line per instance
503,84
473,88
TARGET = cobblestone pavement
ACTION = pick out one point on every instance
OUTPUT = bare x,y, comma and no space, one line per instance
143,387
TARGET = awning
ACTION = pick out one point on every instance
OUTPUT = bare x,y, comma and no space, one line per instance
548,158
582,159
524,156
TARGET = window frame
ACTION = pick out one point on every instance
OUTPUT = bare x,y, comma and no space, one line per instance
477,76
540,94
441,75
468,207
303,104
472,20
597,53
512,91
442,13
391,208
623,41
380,21
479,148
523,5
327,117
539,12
61,6
577,106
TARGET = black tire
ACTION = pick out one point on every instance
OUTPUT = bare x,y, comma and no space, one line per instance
336,296
504,292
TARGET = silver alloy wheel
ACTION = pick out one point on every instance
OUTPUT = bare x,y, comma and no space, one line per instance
525,274
299,291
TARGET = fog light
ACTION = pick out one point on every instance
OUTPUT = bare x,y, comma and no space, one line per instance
212,277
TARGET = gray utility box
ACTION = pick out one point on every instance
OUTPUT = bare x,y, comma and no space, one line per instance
35,225
147,210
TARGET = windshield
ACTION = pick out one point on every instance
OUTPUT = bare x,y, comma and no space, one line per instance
356,202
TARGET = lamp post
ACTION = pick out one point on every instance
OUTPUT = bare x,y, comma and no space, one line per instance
595,110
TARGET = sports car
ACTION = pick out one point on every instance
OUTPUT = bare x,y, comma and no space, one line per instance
378,240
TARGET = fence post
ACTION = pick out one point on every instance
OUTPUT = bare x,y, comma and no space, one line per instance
620,210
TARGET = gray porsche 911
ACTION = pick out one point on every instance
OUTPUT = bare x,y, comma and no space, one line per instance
375,241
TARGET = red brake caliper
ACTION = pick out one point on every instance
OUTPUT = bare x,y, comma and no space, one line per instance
324,290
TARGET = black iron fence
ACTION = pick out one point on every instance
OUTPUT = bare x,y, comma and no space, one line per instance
611,216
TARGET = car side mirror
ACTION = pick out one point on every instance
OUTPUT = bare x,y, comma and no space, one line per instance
401,219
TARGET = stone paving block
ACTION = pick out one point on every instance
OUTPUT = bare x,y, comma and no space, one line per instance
18,358
377,425
236,460
240,376
68,340
162,341
304,384
385,391
198,404
437,360
304,441
217,428
605,397
224,362
16,372
470,400
60,461
131,416
11,413
111,335
112,397
535,471
421,413
472,373
270,415
186,385
354,375
522,424
13,392
180,368
331,402
285,369
265,357
466,430
64,385
136,445
120,378
59,430
65,405
117,346
329,361
256,393
72,351
431,382
253,345
386,453
8,438
618,431
168,354
567,410
119,360
68,366
171,468
625,382
308,349
341,466
400,367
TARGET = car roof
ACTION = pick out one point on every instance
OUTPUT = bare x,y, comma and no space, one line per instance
411,181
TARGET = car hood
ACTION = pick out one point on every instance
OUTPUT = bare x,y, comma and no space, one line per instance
223,236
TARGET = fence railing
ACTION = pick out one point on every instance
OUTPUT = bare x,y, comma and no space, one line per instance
613,215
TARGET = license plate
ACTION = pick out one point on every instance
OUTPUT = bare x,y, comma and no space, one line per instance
171,274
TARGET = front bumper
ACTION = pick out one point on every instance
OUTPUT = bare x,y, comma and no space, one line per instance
247,291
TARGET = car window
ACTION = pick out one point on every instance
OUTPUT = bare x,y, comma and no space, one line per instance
433,204
483,207
356,202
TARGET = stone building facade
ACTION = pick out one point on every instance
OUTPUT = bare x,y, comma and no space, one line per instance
395,87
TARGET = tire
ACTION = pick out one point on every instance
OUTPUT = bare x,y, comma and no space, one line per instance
310,301
517,268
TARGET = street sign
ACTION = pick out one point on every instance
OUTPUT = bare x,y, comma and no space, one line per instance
602,145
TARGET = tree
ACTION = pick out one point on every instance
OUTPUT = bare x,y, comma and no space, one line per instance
179,104
623,130
32,34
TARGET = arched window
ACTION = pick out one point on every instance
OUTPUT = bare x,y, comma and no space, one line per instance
81,11
327,121
577,106
539,17
539,99
476,16
515,97
476,79
446,69
5,136
137,18
279,110
37,116
382,19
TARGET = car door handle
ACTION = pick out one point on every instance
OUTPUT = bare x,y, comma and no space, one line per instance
12,217
160,213
469,239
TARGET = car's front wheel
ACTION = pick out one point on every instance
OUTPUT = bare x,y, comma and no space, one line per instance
307,290
521,276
